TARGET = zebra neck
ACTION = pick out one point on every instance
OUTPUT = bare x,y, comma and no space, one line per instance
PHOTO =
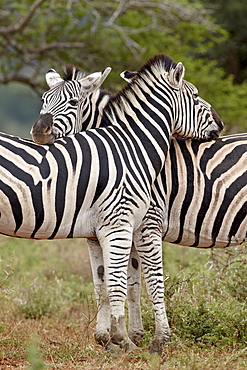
91,114
150,139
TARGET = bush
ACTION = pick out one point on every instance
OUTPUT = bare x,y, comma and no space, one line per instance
206,300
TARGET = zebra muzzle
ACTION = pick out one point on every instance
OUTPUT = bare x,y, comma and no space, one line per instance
42,130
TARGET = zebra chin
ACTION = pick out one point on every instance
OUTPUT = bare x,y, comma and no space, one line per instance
43,139
47,140
214,134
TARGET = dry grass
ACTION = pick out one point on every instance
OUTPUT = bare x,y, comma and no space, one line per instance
67,344
51,281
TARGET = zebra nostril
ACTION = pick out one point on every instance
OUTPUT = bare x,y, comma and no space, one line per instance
47,131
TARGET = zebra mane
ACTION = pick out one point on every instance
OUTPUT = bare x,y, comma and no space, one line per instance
71,73
159,62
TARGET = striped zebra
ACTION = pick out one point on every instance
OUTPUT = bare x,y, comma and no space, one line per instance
207,209
142,105
213,187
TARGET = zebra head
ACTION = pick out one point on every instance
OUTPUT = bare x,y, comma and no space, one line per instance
190,116
64,102
192,103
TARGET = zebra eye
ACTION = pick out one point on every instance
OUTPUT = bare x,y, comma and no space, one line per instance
73,102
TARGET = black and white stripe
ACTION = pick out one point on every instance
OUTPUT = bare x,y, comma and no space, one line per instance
143,116
211,204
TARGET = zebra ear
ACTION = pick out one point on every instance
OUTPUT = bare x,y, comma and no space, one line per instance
176,75
94,80
52,78
128,76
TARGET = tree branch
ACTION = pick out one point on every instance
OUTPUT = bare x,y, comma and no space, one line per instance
57,45
28,81
123,5
23,22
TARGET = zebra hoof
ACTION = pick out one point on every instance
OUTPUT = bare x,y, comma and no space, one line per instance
102,338
157,344
128,346
124,346
111,347
156,347
136,336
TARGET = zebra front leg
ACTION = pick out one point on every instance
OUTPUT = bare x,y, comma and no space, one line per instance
149,246
116,246
103,325
135,331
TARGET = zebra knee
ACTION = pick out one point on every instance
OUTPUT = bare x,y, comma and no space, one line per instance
100,272
134,263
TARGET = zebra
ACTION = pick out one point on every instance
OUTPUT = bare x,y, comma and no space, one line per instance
206,166
189,94
208,209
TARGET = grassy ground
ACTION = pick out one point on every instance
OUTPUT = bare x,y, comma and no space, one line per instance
47,310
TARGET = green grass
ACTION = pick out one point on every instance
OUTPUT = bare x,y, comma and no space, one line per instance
48,310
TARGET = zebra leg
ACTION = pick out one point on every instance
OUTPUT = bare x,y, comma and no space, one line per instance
116,246
102,334
135,331
148,243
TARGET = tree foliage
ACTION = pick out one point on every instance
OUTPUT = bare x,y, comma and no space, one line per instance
93,34
232,53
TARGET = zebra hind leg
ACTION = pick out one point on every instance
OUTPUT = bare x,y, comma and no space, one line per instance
149,247
116,246
102,333
135,326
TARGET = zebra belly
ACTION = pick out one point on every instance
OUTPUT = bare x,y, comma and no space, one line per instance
28,214
204,241
26,226
229,232
26,219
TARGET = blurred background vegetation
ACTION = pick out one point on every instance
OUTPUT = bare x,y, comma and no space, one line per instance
209,37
